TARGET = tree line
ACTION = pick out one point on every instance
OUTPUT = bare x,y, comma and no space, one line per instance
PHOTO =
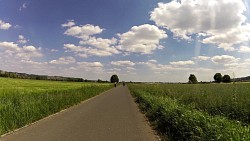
218,78
7,74
39,77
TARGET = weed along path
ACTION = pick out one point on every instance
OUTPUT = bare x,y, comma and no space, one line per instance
111,116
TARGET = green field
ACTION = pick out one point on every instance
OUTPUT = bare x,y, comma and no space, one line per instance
26,101
197,111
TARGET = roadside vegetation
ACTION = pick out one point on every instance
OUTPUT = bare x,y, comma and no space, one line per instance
197,111
25,101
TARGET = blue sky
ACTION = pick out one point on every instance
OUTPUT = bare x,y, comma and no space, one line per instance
140,40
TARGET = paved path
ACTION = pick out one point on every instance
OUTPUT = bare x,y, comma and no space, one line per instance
111,116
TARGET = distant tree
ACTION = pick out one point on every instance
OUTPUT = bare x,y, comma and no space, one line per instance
114,78
192,79
99,81
226,79
218,77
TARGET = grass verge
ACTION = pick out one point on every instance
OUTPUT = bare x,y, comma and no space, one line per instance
175,121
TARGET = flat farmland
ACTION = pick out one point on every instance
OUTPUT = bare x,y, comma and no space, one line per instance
25,101
196,111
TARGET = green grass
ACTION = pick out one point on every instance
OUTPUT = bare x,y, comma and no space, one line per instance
26,101
196,112
229,100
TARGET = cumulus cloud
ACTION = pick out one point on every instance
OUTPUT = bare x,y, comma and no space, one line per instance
201,58
182,63
4,25
99,42
90,64
239,65
220,22
85,52
224,59
81,31
229,39
22,39
186,17
30,62
11,49
70,23
152,61
9,46
101,45
123,63
161,68
63,60
141,39
89,44
244,49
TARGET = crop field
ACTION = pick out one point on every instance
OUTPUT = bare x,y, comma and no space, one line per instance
196,111
25,101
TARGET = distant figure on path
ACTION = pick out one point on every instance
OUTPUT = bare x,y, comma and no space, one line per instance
123,83
115,84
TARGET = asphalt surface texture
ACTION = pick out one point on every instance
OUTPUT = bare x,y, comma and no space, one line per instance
110,116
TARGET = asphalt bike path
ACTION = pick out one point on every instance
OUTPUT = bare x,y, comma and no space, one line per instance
111,116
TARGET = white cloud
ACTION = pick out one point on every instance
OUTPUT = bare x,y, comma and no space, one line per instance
22,39
24,6
244,49
229,39
201,58
182,63
105,46
82,31
70,23
28,52
90,45
130,68
54,50
4,25
152,61
30,62
25,52
162,68
97,52
90,64
142,39
185,17
9,46
85,52
224,59
63,60
244,65
123,63
220,22
29,48
73,47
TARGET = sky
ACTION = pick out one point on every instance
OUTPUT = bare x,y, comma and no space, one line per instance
139,40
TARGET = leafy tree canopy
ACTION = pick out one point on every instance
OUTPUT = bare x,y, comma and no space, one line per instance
114,78
218,77
192,79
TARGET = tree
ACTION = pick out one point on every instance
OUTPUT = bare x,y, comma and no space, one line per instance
114,78
192,79
99,81
226,79
218,77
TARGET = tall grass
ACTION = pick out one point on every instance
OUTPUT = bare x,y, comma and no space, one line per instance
229,100
178,121
26,101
